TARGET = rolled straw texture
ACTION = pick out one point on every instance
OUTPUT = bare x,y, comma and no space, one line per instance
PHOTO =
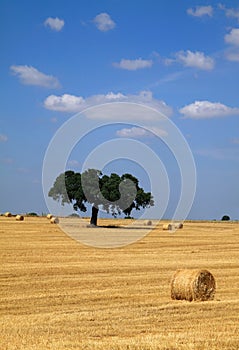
148,223
19,217
168,227
192,285
54,220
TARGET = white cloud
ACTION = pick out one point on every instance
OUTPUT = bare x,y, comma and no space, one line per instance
31,76
158,131
133,64
73,104
3,138
137,132
195,59
206,109
233,37
132,132
54,23
200,11
112,97
230,12
64,103
104,22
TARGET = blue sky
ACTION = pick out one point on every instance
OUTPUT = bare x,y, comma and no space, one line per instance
181,57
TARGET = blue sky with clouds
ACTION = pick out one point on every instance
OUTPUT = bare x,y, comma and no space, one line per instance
181,57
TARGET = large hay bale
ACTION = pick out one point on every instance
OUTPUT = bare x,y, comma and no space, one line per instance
54,220
192,284
49,216
8,214
19,217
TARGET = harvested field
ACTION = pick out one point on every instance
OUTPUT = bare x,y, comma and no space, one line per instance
57,293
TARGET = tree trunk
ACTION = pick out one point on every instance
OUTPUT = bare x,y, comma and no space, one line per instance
94,215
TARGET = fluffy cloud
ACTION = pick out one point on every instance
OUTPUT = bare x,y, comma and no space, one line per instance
132,132
206,109
232,37
136,132
54,23
3,138
230,12
104,22
73,104
64,103
195,59
133,64
200,11
31,76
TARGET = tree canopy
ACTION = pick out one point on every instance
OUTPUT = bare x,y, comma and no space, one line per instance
225,218
115,193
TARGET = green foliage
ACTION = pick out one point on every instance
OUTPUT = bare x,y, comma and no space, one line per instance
32,214
74,215
226,218
116,194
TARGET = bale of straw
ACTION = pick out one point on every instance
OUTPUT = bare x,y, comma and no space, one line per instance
168,227
54,220
49,216
19,217
148,223
193,284
178,225
8,214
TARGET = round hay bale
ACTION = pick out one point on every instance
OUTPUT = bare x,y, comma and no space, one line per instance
179,225
165,226
49,216
19,217
169,227
54,220
148,223
192,285
8,214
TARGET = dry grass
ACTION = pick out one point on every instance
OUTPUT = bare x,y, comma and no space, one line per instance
59,294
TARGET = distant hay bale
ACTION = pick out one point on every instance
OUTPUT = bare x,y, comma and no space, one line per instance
198,285
49,216
54,220
148,223
173,226
19,217
179,225
8,214
168,227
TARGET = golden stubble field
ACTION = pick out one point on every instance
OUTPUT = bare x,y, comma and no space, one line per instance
57,293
